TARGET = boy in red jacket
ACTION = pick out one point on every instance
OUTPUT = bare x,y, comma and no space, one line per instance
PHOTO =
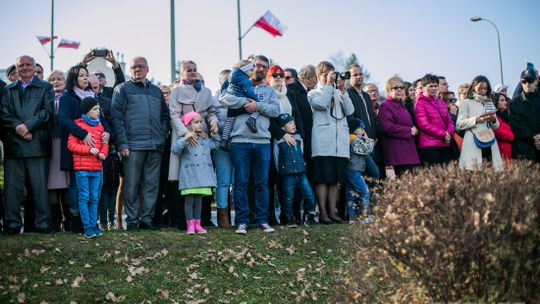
87,163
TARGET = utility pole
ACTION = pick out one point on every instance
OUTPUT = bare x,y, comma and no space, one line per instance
52,35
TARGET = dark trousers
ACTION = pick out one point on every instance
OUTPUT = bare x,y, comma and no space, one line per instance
16,170
434,156
141,170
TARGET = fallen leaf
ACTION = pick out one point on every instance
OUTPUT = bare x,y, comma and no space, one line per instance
111,297
21,297
129,279
164,294
87,266
78,280
290,249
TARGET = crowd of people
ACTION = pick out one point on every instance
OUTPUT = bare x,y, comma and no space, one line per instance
79,154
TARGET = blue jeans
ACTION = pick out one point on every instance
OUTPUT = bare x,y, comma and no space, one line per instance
255,159
356,191
88,185
372,171
292,182
224,170
107,205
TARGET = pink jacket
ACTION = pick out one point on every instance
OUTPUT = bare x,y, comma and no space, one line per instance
433,121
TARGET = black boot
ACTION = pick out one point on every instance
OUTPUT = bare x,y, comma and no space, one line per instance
76,224
56,217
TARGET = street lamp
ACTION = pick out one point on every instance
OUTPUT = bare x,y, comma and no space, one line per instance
476,19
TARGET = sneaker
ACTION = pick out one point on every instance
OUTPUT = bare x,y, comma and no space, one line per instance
132,227
291,222
355,220
310,220
252,124
369,219
89,234
98,232
266,228
241,229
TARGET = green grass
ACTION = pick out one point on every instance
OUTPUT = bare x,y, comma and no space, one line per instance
291,265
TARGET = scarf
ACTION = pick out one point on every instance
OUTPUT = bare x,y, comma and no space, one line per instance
197,85
90,121
82,94
284,102
482,99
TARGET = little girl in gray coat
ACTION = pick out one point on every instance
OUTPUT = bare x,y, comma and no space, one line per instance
196,176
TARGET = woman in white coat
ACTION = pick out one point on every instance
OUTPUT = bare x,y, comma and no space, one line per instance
476,114
329,139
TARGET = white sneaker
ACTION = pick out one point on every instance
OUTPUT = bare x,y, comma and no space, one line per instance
241,229
266,228
369,219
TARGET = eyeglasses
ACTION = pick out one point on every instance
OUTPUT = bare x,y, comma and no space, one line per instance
398,88
288,77
528,80
280,75
138,66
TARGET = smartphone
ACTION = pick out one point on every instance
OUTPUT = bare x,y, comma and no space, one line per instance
530,66
489,113
100,52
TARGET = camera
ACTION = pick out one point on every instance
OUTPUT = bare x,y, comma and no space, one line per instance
343,75
100,52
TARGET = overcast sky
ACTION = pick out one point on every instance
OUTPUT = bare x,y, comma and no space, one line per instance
409,38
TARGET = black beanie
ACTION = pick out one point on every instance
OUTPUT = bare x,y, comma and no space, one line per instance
87,104
283,119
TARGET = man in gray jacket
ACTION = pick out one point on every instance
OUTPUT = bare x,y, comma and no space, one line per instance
140,119
25,113
251,151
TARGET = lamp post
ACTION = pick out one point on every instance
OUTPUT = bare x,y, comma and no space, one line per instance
476,19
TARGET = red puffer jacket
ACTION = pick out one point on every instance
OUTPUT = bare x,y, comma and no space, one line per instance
433,121
82,159
505,137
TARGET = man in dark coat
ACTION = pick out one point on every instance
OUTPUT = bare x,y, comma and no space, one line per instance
525,119
2,85
140,120
26,110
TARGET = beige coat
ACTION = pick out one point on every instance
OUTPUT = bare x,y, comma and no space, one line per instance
185,99
471,155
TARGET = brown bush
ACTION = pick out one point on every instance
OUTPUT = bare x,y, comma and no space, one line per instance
452,235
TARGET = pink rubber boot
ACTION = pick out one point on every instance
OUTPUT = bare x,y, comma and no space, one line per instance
198,228
190,226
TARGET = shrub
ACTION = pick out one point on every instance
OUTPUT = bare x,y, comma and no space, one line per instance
458,235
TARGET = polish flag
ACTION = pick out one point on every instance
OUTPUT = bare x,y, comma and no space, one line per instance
69,44
271,24
45,39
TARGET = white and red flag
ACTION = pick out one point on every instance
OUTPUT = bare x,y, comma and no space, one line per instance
45,39
271,24
70,44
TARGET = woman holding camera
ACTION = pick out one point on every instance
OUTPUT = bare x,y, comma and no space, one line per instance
331,105
477,118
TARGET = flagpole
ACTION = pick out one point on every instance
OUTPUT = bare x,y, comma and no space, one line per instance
239,30
173,45
52,36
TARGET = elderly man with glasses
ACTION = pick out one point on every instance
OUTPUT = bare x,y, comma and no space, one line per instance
141,120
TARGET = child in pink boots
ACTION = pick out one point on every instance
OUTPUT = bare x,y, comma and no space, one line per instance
196,177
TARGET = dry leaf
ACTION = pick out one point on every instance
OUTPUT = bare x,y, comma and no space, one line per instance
87,265
111,297
129,279
21,297
78,280
164,294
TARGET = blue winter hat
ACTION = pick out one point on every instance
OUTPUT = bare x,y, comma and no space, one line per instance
354,124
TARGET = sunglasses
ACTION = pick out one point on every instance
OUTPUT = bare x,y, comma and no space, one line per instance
288,77
528,80
398,88
281,75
